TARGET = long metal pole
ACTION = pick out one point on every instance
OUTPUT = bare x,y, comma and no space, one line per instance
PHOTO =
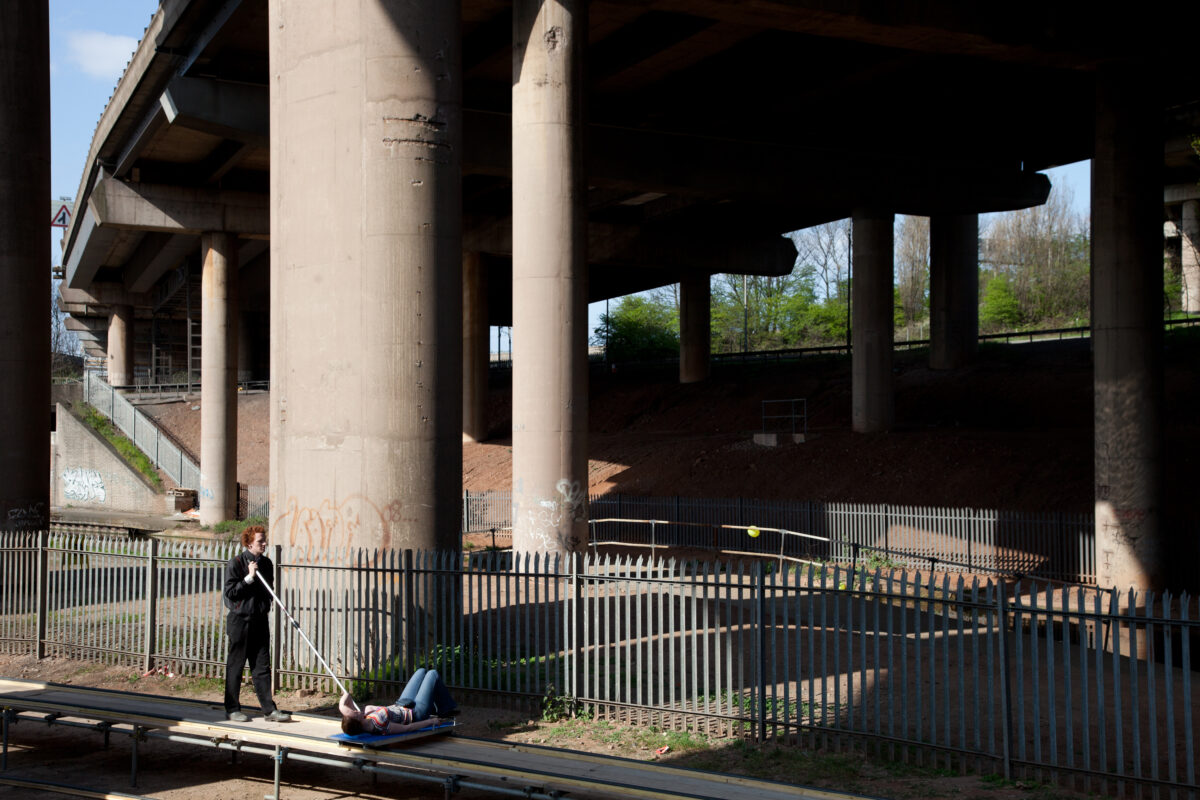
304,636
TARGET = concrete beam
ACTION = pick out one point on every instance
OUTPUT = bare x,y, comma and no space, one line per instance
229,110
644,161
102,294
1180,193
158,254
149,207
671,249
92,246
89,330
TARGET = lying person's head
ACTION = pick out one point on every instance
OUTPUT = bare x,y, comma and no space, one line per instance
351,716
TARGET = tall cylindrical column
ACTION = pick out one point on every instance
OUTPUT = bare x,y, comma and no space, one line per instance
1189,247
218,377
873,407
695,326
475,348
1127,331
24,267
953,290
549,278
120,346
366,274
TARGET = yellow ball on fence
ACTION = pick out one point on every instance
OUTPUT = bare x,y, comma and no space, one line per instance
753,532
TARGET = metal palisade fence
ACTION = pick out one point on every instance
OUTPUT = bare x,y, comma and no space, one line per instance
1024,680
1049,545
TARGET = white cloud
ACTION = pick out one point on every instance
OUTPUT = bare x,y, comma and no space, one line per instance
100,55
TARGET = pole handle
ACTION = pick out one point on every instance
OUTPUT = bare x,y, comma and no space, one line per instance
307,641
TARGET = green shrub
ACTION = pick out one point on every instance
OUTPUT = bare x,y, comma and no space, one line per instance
232,528
123,445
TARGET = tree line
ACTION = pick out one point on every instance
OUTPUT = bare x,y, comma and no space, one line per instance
1034,272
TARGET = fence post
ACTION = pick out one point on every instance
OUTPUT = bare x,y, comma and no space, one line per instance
574,677
43,591
278,634
406,578
151,604
760,654
1005,693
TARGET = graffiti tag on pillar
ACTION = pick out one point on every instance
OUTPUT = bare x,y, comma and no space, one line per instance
337,524
550,521
84,485
30,518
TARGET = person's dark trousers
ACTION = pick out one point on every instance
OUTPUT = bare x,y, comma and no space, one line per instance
249,640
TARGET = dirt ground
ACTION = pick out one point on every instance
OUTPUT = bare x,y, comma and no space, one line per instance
1012,431
185,772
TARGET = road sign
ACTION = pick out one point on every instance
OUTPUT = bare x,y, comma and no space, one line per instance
62,217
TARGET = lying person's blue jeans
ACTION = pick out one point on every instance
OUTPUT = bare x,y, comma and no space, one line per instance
426,695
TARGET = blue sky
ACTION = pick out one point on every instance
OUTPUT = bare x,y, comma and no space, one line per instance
90,44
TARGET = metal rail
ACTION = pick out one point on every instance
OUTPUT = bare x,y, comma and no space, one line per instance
454,763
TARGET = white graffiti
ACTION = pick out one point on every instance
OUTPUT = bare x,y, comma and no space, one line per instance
83,484
549,527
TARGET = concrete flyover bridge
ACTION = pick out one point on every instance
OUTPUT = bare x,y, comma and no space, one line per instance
345,197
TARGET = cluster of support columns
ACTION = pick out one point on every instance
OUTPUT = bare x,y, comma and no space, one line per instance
368,302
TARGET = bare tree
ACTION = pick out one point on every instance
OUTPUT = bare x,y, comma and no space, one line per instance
912,266
826,248
64,344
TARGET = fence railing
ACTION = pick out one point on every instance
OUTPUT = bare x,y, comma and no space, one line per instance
141,430
1028,681
1056,546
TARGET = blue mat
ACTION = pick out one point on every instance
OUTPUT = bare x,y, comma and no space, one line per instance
379,740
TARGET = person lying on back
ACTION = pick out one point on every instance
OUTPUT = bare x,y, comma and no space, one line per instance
424,696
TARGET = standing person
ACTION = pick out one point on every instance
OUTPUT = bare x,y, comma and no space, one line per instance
248,602
424,696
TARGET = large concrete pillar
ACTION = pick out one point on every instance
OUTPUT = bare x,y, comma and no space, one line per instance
873,406
218,377
549,278
24,267
120,346
953,290
475,348
1189,245
1127,331
695,328
366,274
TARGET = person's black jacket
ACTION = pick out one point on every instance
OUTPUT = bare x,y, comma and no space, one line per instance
245,599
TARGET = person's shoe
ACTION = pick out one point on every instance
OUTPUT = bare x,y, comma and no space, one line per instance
453,712
237,716
278,716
